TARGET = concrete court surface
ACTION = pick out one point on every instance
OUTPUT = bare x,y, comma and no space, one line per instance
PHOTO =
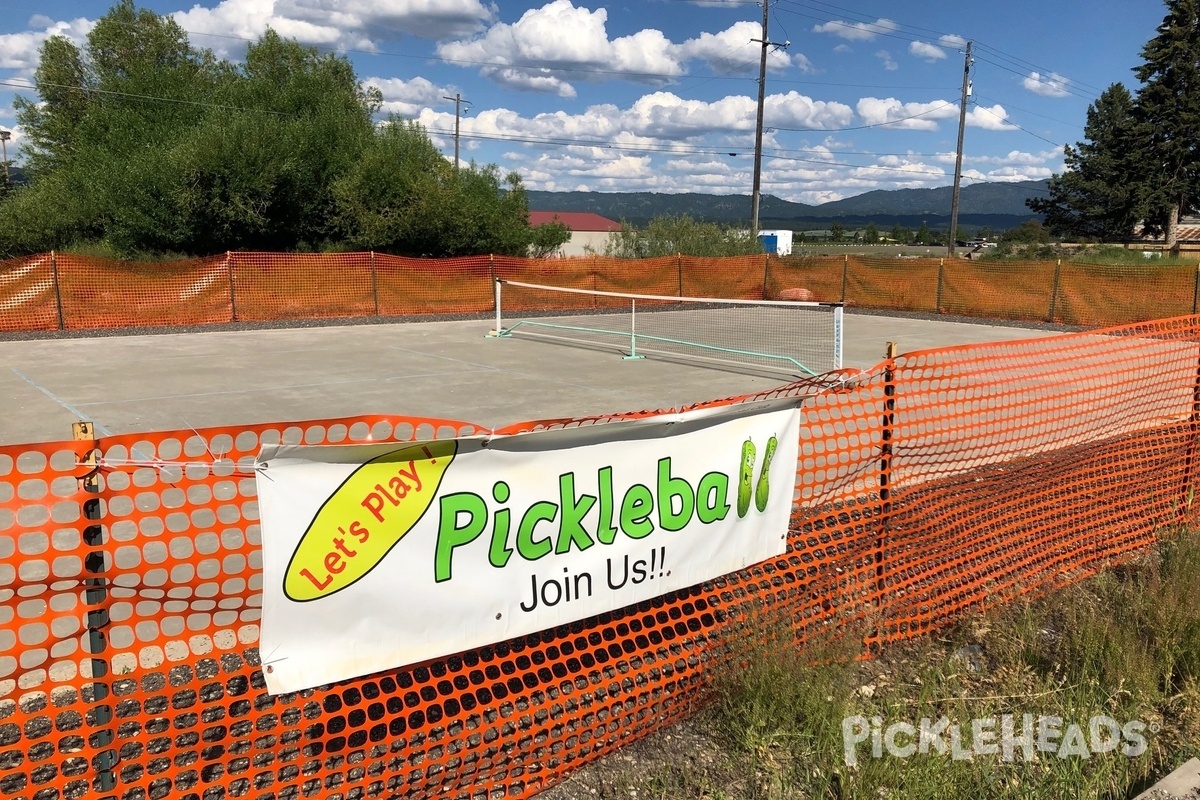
160,382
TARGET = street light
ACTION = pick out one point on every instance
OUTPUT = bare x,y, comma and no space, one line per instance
4,137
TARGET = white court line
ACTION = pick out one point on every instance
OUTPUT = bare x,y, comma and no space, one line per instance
72,409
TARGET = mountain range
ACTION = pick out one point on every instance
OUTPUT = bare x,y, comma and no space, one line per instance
997,205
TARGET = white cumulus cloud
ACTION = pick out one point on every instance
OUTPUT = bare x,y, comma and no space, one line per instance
352,24
906,116
1050,85
548,45
927,51
889,63
991,118
856,31
19,51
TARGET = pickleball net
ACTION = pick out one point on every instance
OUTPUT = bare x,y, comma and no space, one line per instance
796,338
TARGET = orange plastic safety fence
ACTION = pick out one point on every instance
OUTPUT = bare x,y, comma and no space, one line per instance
1090,294
740,278
907,284
822,276
55,291
998,289
50,727
937,482
28,294
278,286
99,293
410,286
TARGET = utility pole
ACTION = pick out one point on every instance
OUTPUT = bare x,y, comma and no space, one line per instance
458,104
962,124
4,137
758,128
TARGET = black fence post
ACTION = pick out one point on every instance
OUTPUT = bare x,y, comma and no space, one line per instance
1054,290
62,318
101,736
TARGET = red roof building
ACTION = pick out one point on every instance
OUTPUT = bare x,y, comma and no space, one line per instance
589,232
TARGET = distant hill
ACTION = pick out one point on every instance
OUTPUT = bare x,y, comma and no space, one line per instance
997,205
15,174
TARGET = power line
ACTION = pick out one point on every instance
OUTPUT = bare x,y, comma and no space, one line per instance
1018,127
153,98
865,127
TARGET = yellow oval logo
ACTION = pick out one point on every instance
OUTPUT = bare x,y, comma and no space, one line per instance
363,519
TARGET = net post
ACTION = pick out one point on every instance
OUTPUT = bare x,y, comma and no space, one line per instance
95,597
1196,290
633,354
941,279
499,330
1054,289
845,274
232,292
887,423
374,284
838,311
62,320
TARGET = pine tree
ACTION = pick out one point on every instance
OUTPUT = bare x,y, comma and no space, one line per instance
1101,194
1168,106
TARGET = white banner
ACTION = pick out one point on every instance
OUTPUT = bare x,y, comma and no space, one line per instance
381,556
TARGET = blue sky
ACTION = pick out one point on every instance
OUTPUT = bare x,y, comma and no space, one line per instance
661,95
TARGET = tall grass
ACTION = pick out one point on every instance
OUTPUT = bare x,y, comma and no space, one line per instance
1124,645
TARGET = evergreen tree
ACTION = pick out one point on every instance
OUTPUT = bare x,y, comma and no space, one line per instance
1101,194
1168,108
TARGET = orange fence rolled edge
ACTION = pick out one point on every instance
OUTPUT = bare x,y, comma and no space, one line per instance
1009,469
55,291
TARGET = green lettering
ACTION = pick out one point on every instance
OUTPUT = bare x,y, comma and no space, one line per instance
671,489
605,532
636,508
499,551
574,509
529,549
451,534
712,497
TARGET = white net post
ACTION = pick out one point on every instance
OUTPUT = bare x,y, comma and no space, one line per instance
499,331
837,336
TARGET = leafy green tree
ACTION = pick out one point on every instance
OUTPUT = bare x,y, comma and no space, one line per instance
1101,194
923,236
402,196
680,234
260,170
1168,110
1028,232
871,234
837,231
145,144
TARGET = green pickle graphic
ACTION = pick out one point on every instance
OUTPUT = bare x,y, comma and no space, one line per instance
747,476
763,490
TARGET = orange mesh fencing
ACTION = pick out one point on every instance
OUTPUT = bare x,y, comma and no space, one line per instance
99,293
29,294
51,723
999,289
821,275
936,483
901,284
277,286
405,286
740,278
58,291
1091,294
